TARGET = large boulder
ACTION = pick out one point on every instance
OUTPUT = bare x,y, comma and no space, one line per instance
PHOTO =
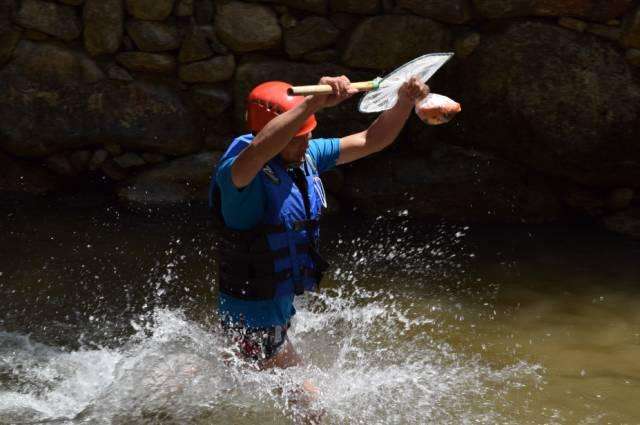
150,10
450,11
52,63
176,182
385,42
218,68
332,122
103,26
450,183
310,34
211,99
195,45
50,18
561,102
152,36
46,106
245,27
154,63
593,10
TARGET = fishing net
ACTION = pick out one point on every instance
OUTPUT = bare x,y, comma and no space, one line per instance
386,96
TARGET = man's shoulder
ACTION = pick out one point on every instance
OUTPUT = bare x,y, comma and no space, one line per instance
237,145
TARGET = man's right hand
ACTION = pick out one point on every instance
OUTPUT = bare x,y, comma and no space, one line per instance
342,90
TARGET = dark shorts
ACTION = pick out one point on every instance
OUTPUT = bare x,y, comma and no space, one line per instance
257,344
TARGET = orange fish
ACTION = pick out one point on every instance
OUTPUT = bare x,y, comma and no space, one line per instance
436,109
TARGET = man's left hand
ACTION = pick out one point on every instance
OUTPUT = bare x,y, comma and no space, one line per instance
412,90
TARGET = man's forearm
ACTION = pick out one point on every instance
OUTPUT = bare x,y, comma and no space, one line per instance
270,141
385,129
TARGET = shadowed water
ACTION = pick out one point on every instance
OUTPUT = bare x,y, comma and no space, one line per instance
109,317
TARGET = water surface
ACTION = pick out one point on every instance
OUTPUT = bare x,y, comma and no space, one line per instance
109,317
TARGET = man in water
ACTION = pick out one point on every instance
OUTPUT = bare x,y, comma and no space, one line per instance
268,194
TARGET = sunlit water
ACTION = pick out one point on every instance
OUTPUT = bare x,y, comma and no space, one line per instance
109,318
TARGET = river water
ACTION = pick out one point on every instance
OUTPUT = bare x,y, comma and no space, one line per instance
109,317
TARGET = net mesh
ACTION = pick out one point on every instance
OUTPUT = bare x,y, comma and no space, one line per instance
386,96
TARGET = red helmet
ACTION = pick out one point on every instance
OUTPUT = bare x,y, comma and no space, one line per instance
270,99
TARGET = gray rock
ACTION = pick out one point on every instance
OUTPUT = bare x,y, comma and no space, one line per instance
184,8
153,36
72,2
246,27
219,68
332,122
633,57
129,160
573,24
34,35
153,158
113,170
288,21
625,222
60,165
157,63
116,72
452,183
605,31
385,42
53,63
20,176
308,35
150,10
328,55
449,11
103,26
50,18
530,79
631,28
346,21
591,10
211,99
466,44
8,42
195,46
98,157
620,198
359,7
46,109
583,200
80,160
113,148
181,180
203,11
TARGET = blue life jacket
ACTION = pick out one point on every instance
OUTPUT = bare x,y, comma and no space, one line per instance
280,256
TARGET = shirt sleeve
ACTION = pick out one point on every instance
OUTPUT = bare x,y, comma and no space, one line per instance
325,153
242,209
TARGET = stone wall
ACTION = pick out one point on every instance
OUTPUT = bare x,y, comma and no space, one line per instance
147,93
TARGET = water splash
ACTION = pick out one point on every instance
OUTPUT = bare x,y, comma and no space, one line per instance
373,360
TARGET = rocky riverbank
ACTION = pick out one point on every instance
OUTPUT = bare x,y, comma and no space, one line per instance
145,94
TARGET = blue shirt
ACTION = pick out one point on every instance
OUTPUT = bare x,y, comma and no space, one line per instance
242,210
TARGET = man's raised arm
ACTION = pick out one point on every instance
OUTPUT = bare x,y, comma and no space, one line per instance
384,130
